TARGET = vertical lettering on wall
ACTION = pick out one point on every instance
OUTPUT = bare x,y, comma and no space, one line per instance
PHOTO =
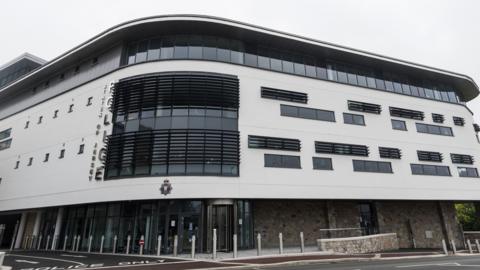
103,129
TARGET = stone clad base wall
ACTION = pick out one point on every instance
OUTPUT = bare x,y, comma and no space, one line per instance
361,244
420,224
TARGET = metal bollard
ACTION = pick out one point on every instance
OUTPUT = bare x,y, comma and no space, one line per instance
54,242
78,243
159,244
39,242
214,244
140,250
48,242
193,246
175,245
74,243
444,245
454,248
90,239
128,245
65,242
235,253
469,245
259,244
280,243
302,243
2,256
114,249
102,240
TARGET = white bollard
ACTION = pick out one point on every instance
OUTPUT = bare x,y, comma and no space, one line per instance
39,242
469,245
128,244
48,242
280,243
90,239
142,240
193,246
214,246
302,243
74,242
54,242
78,243
259,244
102,240
114,249
454,248
235,253
159,244
65,242
2,256
175,245
444,245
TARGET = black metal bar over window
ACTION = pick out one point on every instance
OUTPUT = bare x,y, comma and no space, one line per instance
458,121
405,113
387,152
285,95
173,152
175,123
175,89
275,143
429,156
341,149
364,107
438,118
461,159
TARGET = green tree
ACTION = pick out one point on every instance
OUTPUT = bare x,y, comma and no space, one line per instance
467,217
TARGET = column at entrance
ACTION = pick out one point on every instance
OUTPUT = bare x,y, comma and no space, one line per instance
21,228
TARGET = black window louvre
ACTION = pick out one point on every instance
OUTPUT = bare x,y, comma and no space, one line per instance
405,113
429,156
476,127
285,95
341,149
172,147
177,88
461,159
388,152
275,143
364,107
438,118
458,121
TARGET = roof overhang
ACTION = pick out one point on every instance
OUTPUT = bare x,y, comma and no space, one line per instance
131,30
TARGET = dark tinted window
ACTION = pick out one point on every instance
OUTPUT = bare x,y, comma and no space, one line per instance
372,166
322,163
467,172
399,125
282,161
353,119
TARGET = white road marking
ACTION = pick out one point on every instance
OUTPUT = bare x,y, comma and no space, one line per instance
430,264
70,255
25,261
42,258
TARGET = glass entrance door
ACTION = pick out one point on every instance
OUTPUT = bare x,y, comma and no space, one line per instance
222,218
368,218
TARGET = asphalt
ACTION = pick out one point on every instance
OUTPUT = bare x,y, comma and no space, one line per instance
430,263
51,260
48,260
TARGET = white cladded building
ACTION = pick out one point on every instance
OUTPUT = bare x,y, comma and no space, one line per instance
177,125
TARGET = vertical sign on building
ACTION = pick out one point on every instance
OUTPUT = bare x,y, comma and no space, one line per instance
103,129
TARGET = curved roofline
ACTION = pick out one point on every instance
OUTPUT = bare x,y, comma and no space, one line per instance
472,93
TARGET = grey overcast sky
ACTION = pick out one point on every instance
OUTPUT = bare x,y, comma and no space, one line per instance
438,33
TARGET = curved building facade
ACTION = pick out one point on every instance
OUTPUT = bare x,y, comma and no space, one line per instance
177,125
